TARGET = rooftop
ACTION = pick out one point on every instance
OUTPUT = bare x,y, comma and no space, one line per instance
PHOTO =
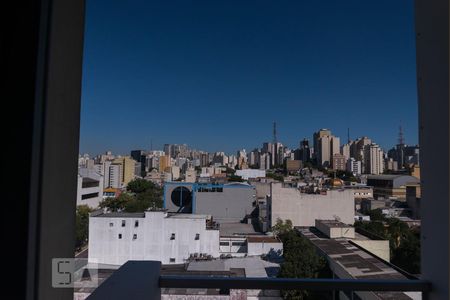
229,229
388,176
261,239
333,223
253,266
358,263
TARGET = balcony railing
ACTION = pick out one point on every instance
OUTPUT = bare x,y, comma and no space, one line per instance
142,280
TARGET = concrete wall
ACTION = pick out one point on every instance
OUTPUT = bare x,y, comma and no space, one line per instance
303,209
91,202
261,248
225,203
153,240
379,248
231,205
262,189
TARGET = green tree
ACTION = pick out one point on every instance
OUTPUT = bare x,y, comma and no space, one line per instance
151,198
81,226
301,261
375,227
139,185
407,255
397,232
376,215
281,228
275,176
117,203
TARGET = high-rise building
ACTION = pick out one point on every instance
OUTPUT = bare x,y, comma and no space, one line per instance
128,167
316,136
323,154
139,156
327,146
115,176
305,151
338,162
164,163
204,160
390,164
354,166
253,157
374,162
345,150
168,149
264,161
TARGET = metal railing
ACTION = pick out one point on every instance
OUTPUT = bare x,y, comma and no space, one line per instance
142,280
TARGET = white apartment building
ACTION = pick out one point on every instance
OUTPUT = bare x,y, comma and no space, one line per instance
115,238
115,176
374,162
89,187
354,166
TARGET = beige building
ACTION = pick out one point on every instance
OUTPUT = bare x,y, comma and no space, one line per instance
128,166
288,203
328,145
164,163
338,162
293,165
345,150
374,162
190,176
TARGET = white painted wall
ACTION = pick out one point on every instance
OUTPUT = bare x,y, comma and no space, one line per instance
91,202
261,248
153,241
303,209
251,173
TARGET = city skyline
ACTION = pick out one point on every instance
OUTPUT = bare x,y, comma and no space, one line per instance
216,75
157,147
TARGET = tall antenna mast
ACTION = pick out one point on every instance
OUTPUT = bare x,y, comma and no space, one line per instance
151,145
401,139
348,135
275,132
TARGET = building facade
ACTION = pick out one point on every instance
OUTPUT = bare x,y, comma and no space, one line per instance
288,203
231,202
115,238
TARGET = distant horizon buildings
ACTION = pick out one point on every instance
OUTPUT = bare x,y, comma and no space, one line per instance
359,156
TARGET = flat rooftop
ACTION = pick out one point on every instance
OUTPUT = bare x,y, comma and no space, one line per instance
252,266
358,263
187,216
333,223
100,214
118,215
230,229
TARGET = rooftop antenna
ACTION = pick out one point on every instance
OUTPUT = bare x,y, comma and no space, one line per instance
151,145
401,139
274,132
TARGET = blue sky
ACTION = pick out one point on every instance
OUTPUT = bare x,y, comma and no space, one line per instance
216,74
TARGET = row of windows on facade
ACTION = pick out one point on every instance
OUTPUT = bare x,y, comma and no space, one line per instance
136,224
211,190
172,237
232,243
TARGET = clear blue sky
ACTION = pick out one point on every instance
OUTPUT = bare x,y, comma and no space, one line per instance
216,74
